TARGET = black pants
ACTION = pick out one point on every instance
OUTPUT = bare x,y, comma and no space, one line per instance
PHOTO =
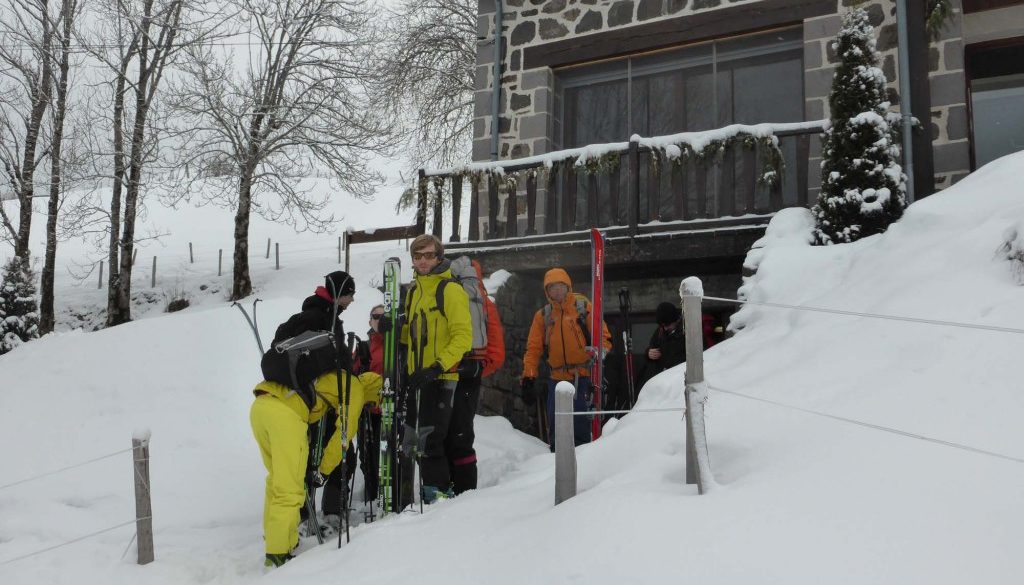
368,440
433,410
458,446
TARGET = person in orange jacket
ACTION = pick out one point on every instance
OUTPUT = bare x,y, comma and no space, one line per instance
478,363
562,330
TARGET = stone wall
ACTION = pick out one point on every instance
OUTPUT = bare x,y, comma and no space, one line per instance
528,100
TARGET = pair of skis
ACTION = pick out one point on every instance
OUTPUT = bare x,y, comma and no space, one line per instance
392,406
597,241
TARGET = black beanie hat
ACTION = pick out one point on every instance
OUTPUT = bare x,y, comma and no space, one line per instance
339,283
667,313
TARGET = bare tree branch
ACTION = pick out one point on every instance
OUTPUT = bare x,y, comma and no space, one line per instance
295,111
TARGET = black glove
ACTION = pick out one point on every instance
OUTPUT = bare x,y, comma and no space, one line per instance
315,479
529,391
424,376
384,325
470,368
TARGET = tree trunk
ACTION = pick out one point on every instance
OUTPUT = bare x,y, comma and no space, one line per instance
241,283
47,319
122,296
113,262
40,100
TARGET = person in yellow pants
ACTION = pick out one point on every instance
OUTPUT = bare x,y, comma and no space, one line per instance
279,421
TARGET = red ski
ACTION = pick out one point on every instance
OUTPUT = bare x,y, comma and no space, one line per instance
597,325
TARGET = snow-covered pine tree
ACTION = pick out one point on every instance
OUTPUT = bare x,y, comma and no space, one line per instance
19,314
862,185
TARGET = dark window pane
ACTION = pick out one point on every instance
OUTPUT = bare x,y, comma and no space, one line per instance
665,103
596,114
997,105
640,107
699,100
768,89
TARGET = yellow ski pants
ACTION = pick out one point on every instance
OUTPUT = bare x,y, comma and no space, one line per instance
281,436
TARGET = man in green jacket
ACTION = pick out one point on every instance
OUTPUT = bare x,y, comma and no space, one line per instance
437,334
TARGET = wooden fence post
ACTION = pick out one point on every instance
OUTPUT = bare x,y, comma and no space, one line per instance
99,282
143,505
565,446
268,248
220,260
135,252
152,280
339,249
277,256
698,469
191,258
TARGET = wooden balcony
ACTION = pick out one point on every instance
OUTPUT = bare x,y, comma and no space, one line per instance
706,195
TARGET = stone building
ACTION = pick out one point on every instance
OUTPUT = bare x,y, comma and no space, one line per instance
575,73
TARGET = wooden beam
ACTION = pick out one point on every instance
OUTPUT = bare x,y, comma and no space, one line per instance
745,18
384,234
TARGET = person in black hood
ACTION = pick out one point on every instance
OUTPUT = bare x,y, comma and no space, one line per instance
668,343
320,312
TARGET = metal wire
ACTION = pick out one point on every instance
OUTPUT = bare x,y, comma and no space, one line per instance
590,412
872,315
79,539
873,426
56,471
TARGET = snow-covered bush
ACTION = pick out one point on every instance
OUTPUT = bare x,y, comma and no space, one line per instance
19,311
862,184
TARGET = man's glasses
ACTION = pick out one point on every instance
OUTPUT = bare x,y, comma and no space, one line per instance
376,316
427,255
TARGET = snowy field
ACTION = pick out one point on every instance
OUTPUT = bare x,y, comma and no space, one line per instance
799,498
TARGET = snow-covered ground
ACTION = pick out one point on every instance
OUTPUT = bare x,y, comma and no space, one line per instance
798,497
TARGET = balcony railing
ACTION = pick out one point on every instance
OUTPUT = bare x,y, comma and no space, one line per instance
738,172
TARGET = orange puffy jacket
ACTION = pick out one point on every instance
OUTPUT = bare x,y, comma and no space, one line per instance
566,341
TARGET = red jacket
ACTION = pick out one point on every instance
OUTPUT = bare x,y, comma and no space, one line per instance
375,346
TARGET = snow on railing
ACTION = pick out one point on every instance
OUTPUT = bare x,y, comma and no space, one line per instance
695,141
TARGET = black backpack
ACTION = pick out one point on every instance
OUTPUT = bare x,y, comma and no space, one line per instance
298,361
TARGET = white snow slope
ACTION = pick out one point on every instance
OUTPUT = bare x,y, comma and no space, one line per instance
798,497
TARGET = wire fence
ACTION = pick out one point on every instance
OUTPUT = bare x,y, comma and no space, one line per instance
84,536
218,261
918,320
697,461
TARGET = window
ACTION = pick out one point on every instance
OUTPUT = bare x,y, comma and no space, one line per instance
749,80
996,73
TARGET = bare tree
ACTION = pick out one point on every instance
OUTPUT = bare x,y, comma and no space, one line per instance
138,40
61,55
425,76
293,109
26,76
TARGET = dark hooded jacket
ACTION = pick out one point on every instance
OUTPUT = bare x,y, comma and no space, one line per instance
316,315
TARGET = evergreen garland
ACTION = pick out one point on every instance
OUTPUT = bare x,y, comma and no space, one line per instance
19,311
862,184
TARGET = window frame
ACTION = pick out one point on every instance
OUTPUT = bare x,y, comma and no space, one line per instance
566,80
985,60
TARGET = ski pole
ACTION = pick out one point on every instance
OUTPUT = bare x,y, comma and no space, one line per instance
251,322
344,437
